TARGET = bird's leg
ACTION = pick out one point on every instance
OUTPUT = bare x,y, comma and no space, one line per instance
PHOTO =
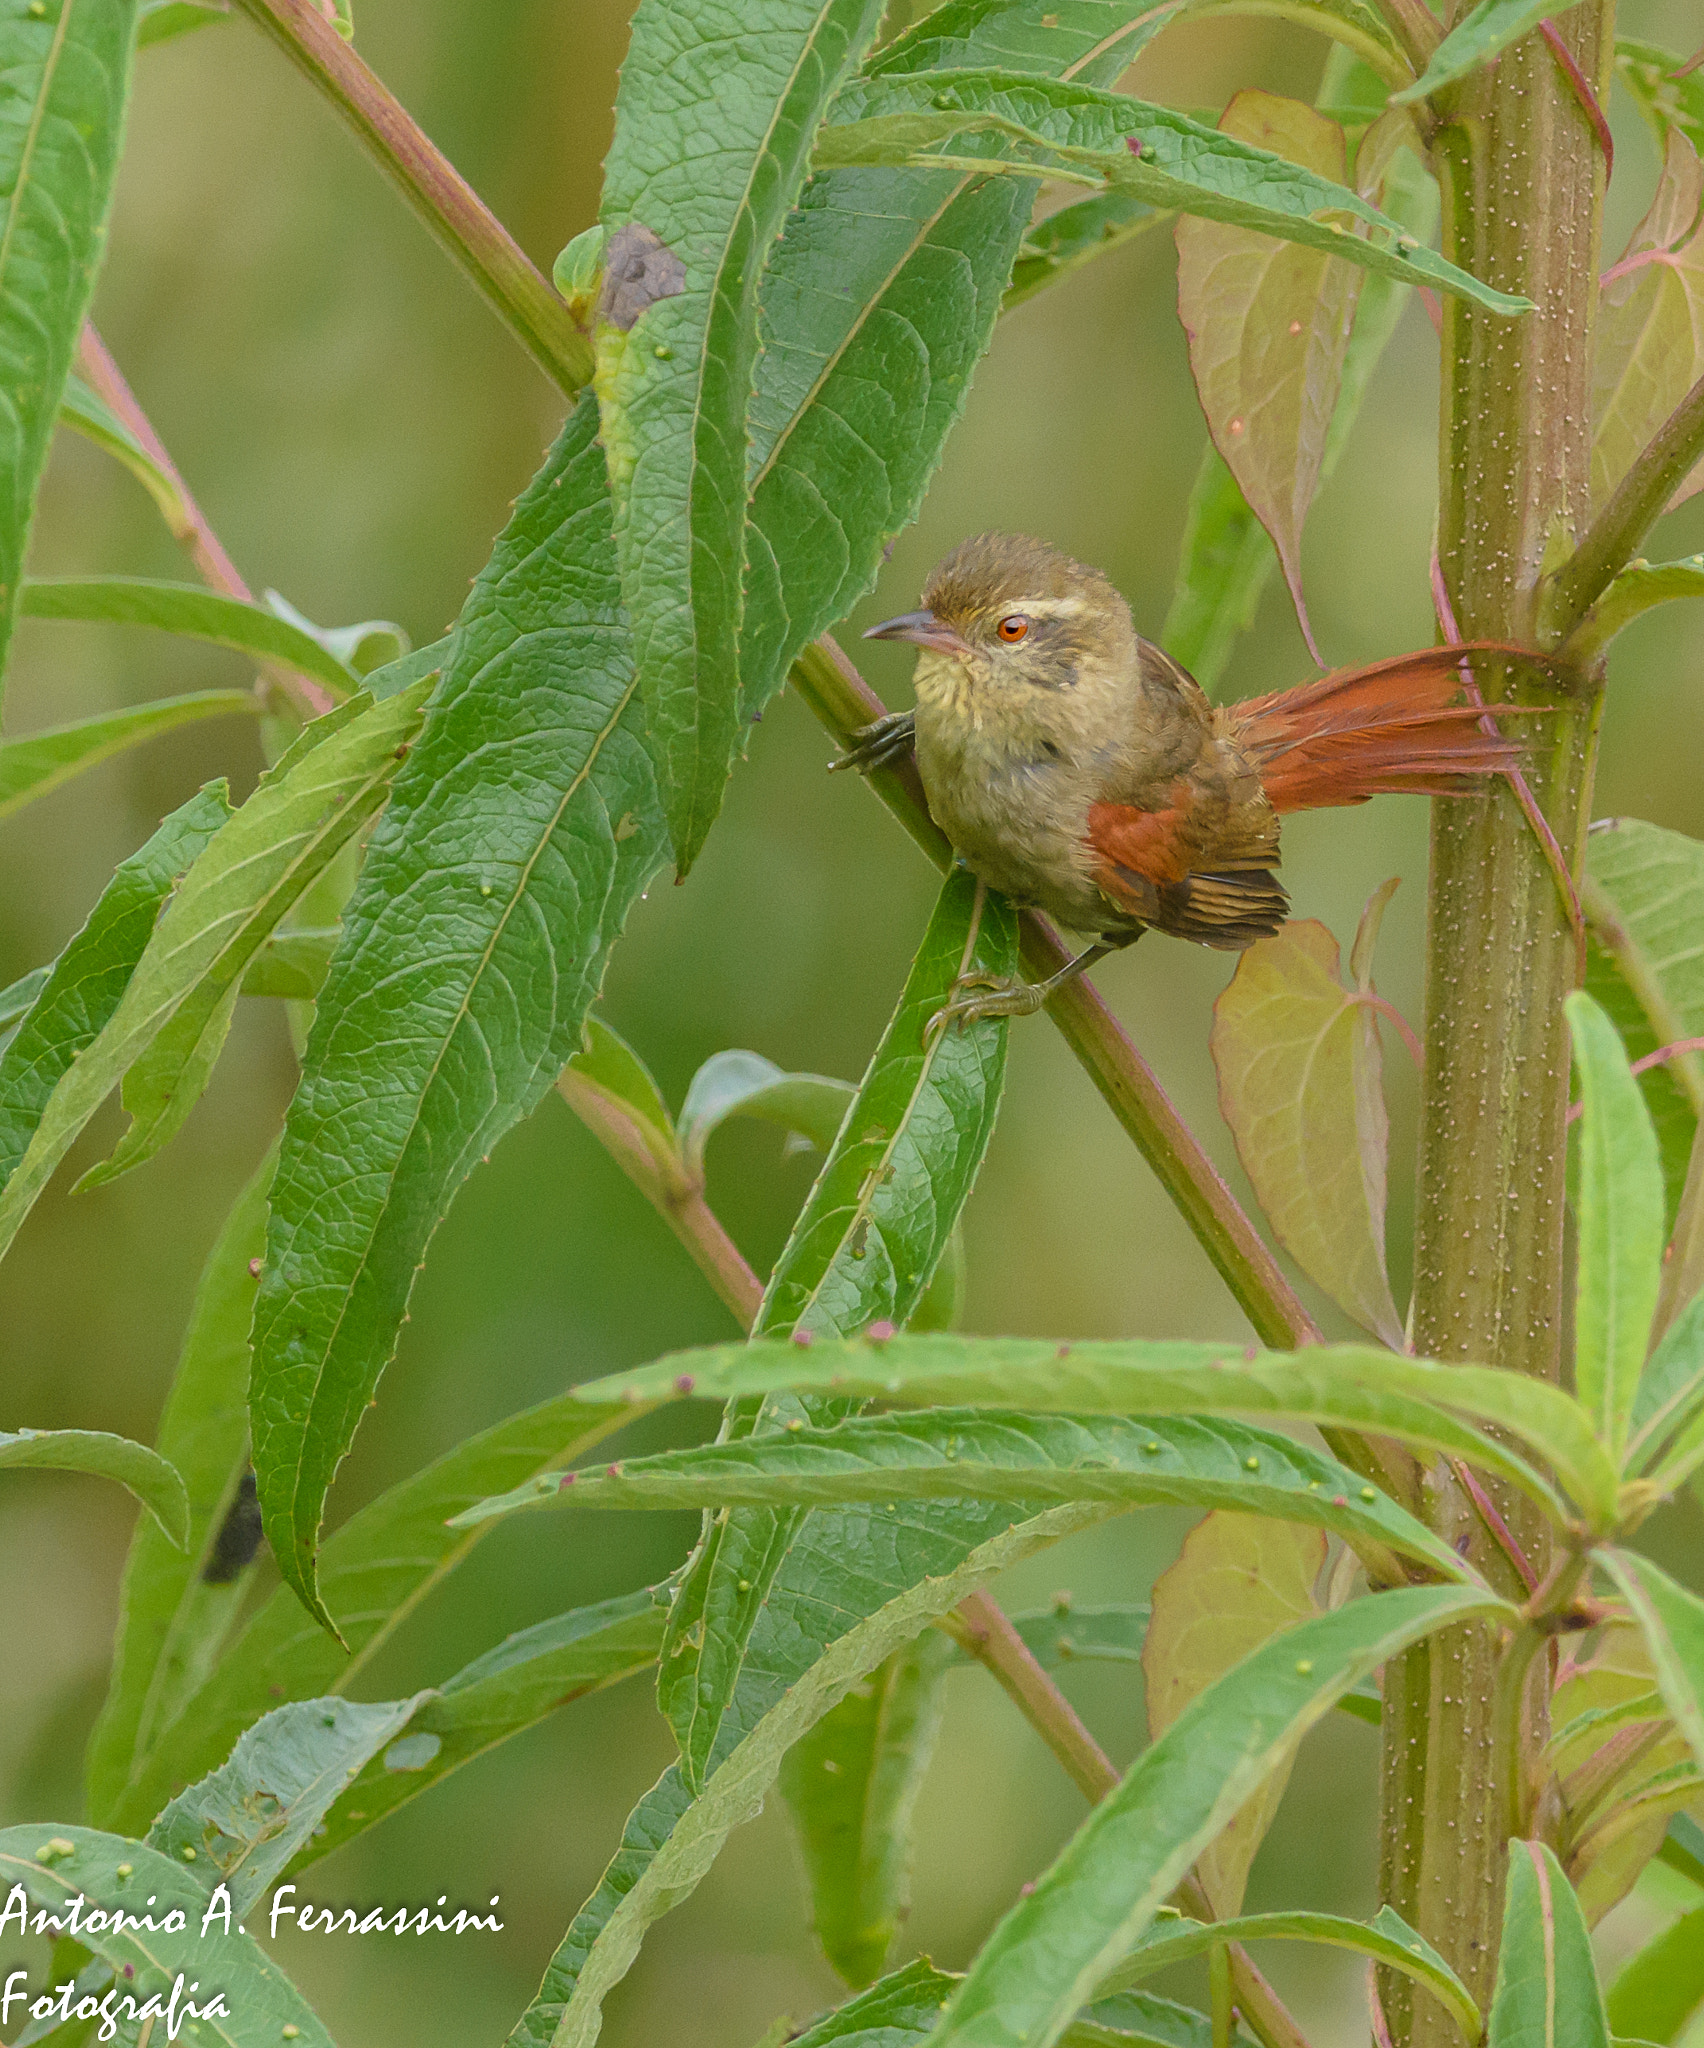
1006,998
876,746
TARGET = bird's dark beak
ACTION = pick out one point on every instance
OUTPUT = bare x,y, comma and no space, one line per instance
922,627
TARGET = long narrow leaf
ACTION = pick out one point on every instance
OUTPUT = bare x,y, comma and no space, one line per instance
522,829
175,1605
143,1472
713,127
1043,1962
67,72
1672,1620
1547,1988
41,761
1660,1987
1620,1203
1480,35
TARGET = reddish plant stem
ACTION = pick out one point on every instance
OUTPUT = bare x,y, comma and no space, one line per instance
190,526
1499,1530
496,263
1589,102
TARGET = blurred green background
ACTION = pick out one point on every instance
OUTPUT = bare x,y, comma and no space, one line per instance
356,424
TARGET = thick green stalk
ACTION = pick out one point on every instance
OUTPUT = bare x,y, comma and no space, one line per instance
1522,181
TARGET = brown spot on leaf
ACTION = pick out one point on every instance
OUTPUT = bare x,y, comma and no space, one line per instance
639,269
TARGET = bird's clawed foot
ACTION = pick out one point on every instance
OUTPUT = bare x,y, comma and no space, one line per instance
1002,997
890,739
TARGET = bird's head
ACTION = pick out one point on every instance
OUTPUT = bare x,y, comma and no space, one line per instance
1011,613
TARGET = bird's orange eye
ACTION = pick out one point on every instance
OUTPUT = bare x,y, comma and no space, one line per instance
1012,628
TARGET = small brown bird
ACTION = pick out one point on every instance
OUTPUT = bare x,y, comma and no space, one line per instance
1080,770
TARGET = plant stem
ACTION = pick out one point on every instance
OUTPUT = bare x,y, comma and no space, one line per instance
189,525
497,264
1522,178
1661,467
844,702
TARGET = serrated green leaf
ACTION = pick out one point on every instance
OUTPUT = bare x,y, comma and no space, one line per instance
1355,1386
745,1084
86,984
242,1824
377,1569
512,1687
1640,891
1661,1987
191,610
1620,1207
851,1785
863,1249
1137,2019
87,413
1085,1915
1648,339
1301,1084
1269,325
167,1028
521,831
67,81
172,1618
42,761
1075,131
1640,586
1386,1939
1667,101
892,2014
839,1606
1672,1620
160,21
1237,1580
713,126
292,964
1007,1456
143,1472
1481,34
878,303
1547,1989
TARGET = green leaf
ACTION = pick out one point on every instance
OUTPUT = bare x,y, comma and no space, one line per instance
172,1617
130,1882
1668,1413
1388,1939
86,984
852,1784
745,1084
1074,131
244,1822
1355,25
378,1568
189,609
32,766
610,1087
1640,586
1007,1456
162,20
1639,891
292,964
1074,236
1483,33
1301,1084
1667,102
1662,1986
878,304
1104,1889
521,831
511,1688
1269,325
171,1021
145,1473
1648,340
1137,2019
67,80
1683,1848
17,1001
364,649
838,1607
1237,1580
892,2014
1352,1385
713,127
1547,1989
1673,1623
84,410
1620,1206
863,1249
